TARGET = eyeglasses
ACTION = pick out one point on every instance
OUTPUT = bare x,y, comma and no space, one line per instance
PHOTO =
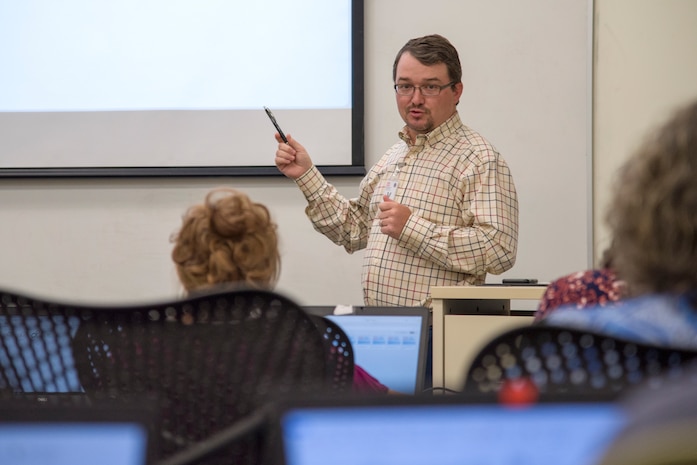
429,90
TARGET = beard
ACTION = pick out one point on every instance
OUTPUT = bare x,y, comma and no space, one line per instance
420,124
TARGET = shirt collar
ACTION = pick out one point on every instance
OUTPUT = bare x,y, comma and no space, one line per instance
446,129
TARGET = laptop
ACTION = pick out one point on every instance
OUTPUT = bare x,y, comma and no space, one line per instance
411,430
76,434
390,343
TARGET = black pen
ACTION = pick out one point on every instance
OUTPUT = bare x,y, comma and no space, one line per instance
278,128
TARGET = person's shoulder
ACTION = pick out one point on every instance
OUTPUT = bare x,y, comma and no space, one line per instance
652,318
465,147
476,140
632,308
570,313
475,145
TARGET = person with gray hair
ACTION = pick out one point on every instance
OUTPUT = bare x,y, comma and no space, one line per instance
653,220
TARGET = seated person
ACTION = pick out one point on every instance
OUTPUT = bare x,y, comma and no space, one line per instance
231,240
597,286
653,220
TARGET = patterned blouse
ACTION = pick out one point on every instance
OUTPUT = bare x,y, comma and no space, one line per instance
582,289
464,221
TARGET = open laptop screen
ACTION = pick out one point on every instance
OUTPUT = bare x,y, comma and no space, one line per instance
390,344
73,444
563,433
68,434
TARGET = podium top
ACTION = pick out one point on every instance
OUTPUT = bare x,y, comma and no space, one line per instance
489,292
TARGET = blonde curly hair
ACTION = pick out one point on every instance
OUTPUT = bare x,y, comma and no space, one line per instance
229,239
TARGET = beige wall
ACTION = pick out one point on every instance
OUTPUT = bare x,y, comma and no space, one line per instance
106,239
526,86
645,65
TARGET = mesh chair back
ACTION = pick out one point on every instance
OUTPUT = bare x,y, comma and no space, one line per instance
340,362
36,355
565,360
208,361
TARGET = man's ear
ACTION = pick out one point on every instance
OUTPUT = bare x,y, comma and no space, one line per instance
459,87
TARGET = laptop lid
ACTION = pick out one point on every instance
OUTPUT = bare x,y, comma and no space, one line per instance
390,343
65,434
406,430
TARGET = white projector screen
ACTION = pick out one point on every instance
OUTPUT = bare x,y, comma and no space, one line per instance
177,87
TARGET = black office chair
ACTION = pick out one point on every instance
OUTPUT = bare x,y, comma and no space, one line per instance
210,363
553,360
36,357
339,352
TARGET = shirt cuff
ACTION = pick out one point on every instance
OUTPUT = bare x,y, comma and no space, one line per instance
311,183
414,233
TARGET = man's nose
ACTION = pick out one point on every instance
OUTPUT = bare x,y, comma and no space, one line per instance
417,96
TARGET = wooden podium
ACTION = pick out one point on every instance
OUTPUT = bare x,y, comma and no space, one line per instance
467,317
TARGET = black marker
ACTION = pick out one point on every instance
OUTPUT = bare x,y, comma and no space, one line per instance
278,128
519,281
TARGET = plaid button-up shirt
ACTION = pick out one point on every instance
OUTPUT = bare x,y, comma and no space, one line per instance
464,221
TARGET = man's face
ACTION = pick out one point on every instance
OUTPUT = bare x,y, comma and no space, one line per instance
423,114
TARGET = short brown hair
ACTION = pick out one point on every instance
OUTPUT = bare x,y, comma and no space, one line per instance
431,50
227,240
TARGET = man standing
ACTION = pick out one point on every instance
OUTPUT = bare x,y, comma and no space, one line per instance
439,208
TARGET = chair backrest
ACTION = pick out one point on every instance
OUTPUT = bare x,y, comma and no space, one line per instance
554,359
340,360
208,361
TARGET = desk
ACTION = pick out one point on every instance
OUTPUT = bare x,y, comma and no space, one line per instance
457,337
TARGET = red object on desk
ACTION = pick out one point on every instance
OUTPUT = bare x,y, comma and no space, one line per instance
521,391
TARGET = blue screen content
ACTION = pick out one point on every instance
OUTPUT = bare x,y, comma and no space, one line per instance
386,346
67,443
451,434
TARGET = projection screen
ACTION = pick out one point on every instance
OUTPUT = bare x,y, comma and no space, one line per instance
177,87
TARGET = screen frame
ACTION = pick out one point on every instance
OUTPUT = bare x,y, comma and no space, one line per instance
356,168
